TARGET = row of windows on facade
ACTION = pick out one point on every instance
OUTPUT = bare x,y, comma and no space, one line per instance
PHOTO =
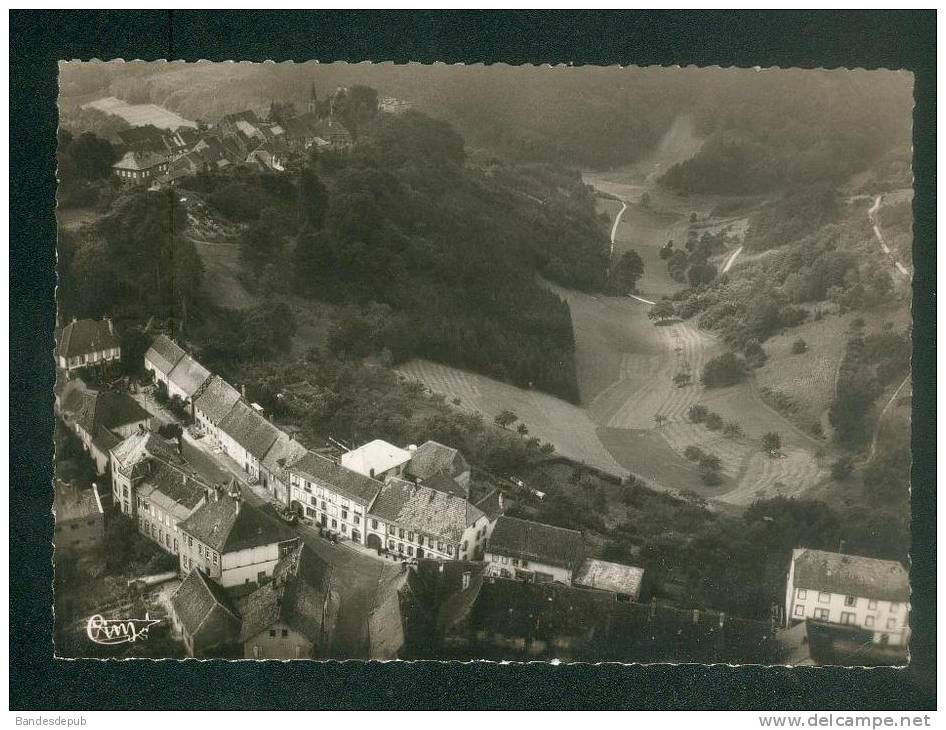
322,493
502,559
164,521
136,174
92,357
847,617
849,601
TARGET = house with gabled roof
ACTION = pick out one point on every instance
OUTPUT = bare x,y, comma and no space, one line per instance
166,495
432,463
129,465
416,521
849,591
332,495
274,467
292,616
186,378
161,358
101,419
212,403
233,542
87,342
245,436
140,168
206,617
534,551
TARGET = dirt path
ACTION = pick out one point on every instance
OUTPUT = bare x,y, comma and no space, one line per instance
731,260
872,217
880,418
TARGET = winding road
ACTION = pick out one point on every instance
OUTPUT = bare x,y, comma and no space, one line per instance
872,216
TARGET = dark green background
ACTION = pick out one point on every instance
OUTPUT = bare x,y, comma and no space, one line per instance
807,39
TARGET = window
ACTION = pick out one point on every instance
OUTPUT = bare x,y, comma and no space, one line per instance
390,544
410,550
802,594
261,576
891,623
323,506
215,558
374,524
344,514
190,541
315,502
272,632
515,561
449,549
357,520
869,621
400,533
410,536
850,601
400,547
439,546
799,610
256,652
200,550
420,540
824,597
847,617
334,524
821,613
525,563
872,604
344,529
285,633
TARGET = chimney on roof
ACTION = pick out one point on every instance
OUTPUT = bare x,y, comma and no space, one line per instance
441,566
466,580
502,500
243,390
73,320
236,504
841,547
412,448
180,443
371,472
111,329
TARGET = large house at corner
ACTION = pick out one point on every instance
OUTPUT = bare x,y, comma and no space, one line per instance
849,590
140,168
293,615
417,521
335,497
86,342
233,542
533,551
206,617
161,358
130,465
212,403
377,459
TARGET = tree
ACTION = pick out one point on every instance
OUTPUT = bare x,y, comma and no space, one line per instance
505,418
313,198
356,107
627,271
693,452
659,419
714,421
723,370
682,379
645,200
279,112
799,346
522,429
732,430
842,468
259,244
697,413
661,311
772,442
92,157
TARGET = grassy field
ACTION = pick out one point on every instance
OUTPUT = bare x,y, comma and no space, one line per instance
140,115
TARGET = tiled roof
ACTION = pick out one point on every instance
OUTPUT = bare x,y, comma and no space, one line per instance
225,525
282,453
199,603
249,429
490,504
296,596
139,446
216,399
344,481
85,336
72,503
189,375
614,577
422,509
139,161
377,456
113,410
104,440
178,485
851,575
164,353
517,538
444,483
432,459
386,623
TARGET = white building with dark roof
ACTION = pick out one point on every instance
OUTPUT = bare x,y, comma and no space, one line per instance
417,521
332,495
161,358
534,551
245,436
849,590
186,378
87,342
138,168
212,403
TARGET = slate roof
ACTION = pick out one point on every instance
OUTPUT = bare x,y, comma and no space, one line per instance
377,455
282,453
297,596
249,429
534,541
224,527
422,509
199,602
386,623
614,577
189,375
138,447
851,575
216,399
164,353
93,410
343,481
85,336
433,459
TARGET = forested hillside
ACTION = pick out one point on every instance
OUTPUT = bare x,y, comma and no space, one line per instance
763,129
